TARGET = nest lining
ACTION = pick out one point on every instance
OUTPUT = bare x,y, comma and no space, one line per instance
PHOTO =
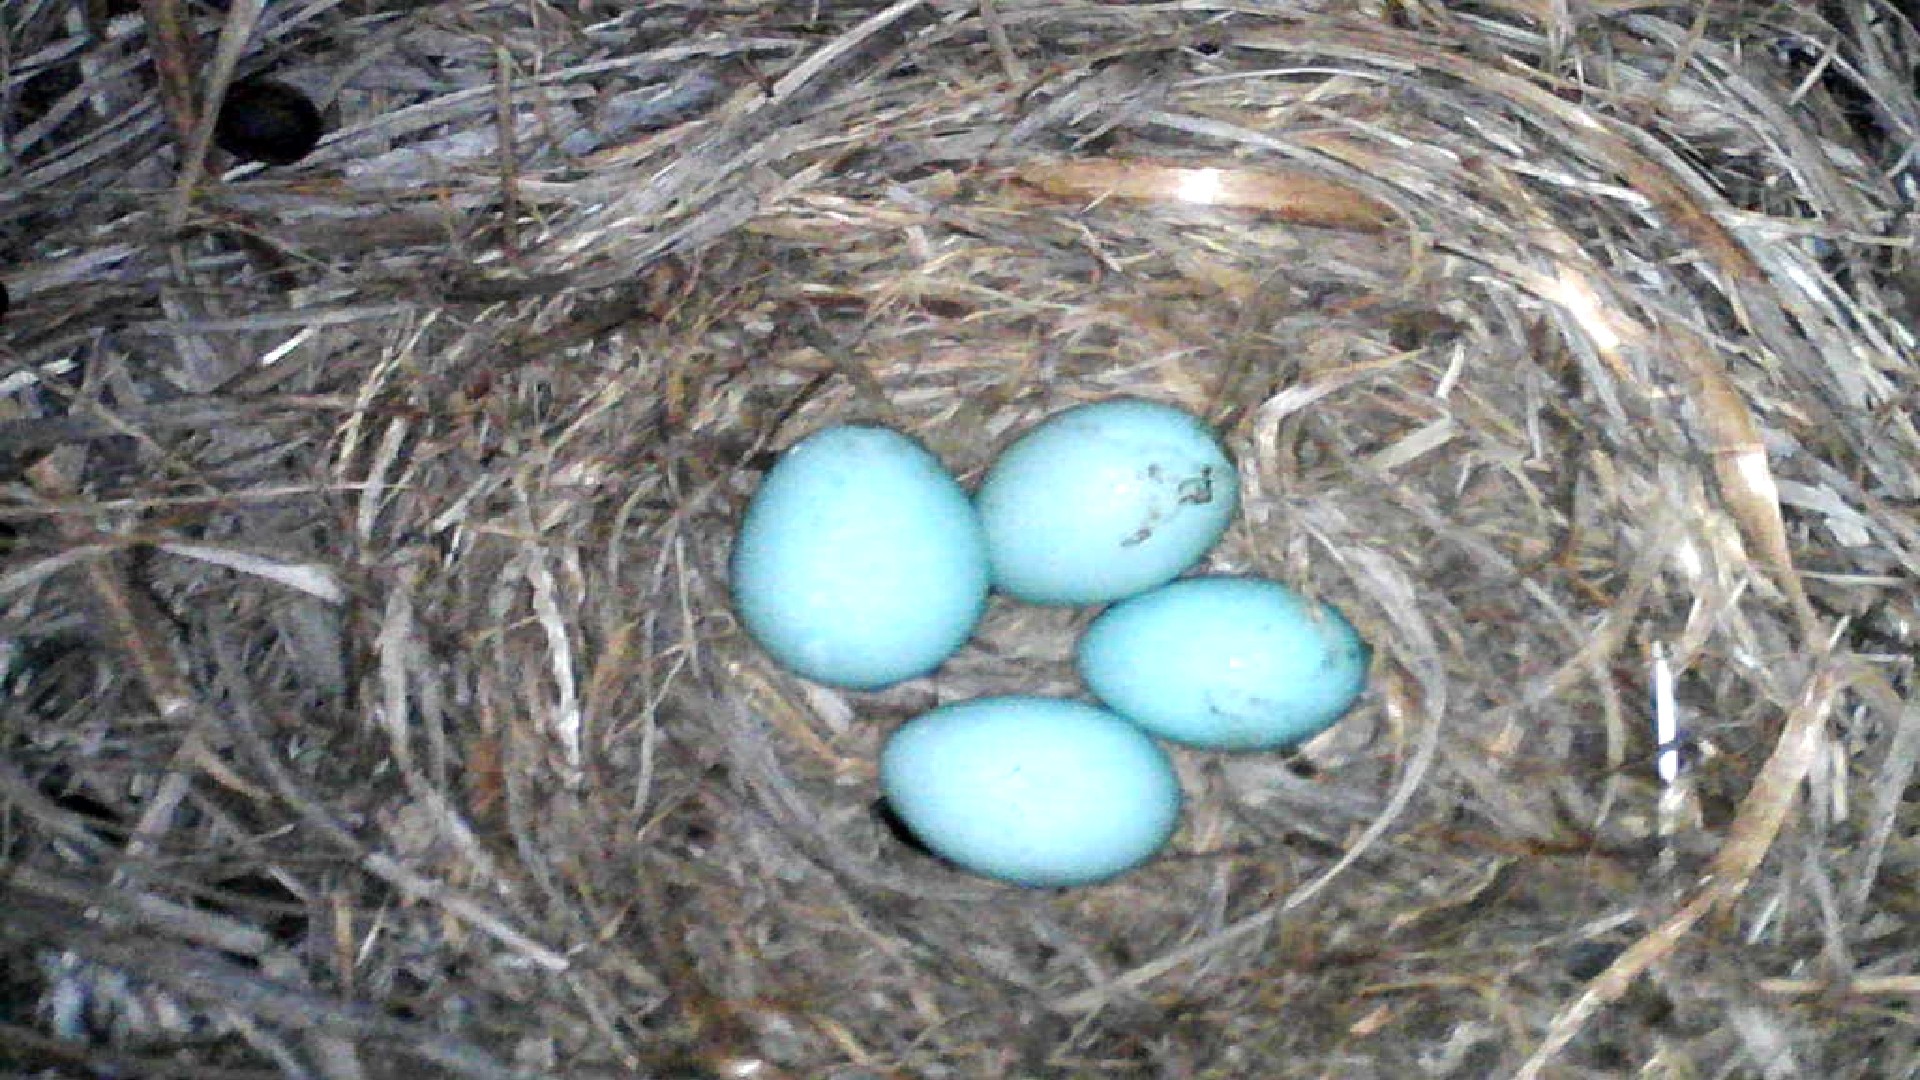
374,701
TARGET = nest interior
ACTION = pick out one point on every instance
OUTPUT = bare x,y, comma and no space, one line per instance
373,706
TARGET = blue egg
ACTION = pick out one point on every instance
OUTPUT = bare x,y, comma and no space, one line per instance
1031,790
860,562
1103,501
1229,663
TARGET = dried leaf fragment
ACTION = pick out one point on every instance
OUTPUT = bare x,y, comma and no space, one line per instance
1741,466
1288,194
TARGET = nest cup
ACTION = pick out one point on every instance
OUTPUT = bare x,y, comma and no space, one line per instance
373,702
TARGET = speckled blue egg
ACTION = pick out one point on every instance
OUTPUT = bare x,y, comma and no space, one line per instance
1105,500
1230,663
860,561
1031,790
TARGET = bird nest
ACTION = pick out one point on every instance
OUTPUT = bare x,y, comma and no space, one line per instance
373,702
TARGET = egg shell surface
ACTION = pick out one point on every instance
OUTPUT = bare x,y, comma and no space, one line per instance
1031,790
860,562
1229,663
1105,500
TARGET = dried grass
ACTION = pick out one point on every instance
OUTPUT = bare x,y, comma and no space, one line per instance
372,702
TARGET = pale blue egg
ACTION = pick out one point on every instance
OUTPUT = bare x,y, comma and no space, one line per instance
1031,790
860,562
1103,501
1230,663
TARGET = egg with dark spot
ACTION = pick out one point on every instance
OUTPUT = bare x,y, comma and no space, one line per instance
1105,501
267,121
